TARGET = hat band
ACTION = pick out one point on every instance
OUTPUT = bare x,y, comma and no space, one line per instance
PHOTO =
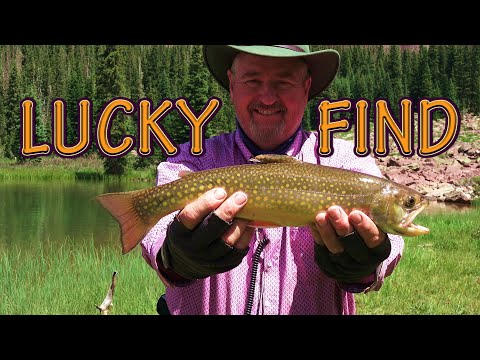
291,47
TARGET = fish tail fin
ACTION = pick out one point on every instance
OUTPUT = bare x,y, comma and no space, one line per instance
132,228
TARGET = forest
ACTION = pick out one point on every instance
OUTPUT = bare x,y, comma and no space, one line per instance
45,73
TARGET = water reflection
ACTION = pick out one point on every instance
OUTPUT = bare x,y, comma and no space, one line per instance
32,212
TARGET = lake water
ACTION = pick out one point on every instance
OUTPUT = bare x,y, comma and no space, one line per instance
32,212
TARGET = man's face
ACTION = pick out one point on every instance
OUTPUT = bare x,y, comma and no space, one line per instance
269,95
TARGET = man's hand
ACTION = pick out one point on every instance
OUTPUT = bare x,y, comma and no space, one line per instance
205,238
353,257
238,235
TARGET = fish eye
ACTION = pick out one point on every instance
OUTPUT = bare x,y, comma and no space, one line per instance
410,202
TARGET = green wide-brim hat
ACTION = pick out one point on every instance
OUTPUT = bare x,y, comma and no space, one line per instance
323,64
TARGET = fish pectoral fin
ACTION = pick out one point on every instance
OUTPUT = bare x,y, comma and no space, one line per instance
274,158
260,224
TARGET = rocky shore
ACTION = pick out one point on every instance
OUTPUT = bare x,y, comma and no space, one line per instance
447,177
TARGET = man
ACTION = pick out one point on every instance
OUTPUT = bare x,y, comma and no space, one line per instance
267,270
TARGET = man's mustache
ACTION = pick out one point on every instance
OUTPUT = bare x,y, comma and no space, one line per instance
267,108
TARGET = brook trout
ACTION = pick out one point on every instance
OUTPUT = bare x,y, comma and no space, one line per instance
281,190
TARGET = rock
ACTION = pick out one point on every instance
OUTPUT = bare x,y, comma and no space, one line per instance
392,162
458,196
464,148
442,190
464,161
475,153
414,166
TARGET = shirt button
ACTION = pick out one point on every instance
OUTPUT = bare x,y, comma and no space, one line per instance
269,264
267,303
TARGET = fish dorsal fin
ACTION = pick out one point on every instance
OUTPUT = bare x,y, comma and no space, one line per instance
183,173
274,158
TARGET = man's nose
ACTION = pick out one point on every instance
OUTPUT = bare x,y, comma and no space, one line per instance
268,94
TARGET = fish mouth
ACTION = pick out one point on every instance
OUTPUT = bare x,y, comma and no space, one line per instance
407,222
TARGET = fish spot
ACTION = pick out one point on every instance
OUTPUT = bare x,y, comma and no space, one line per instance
179,194
329,198
202,187
165,203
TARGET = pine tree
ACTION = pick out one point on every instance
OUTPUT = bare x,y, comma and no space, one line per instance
424,75
434,65
443,71
457,66
75,92
12,116
475,79
111,84
196,91
395,74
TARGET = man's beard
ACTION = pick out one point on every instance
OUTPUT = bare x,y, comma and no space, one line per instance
264,132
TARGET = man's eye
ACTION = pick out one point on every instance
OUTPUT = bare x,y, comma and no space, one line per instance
252,83
284,85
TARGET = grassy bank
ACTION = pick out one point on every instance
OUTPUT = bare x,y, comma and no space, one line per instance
56,168
438,274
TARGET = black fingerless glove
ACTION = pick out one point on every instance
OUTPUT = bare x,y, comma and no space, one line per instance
356,262
199,253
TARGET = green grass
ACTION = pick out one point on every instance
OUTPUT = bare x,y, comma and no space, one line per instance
56,168
469,137
73,278
439,273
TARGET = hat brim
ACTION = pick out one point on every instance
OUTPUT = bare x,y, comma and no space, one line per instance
323,65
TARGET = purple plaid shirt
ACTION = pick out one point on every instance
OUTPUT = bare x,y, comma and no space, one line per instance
288,281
